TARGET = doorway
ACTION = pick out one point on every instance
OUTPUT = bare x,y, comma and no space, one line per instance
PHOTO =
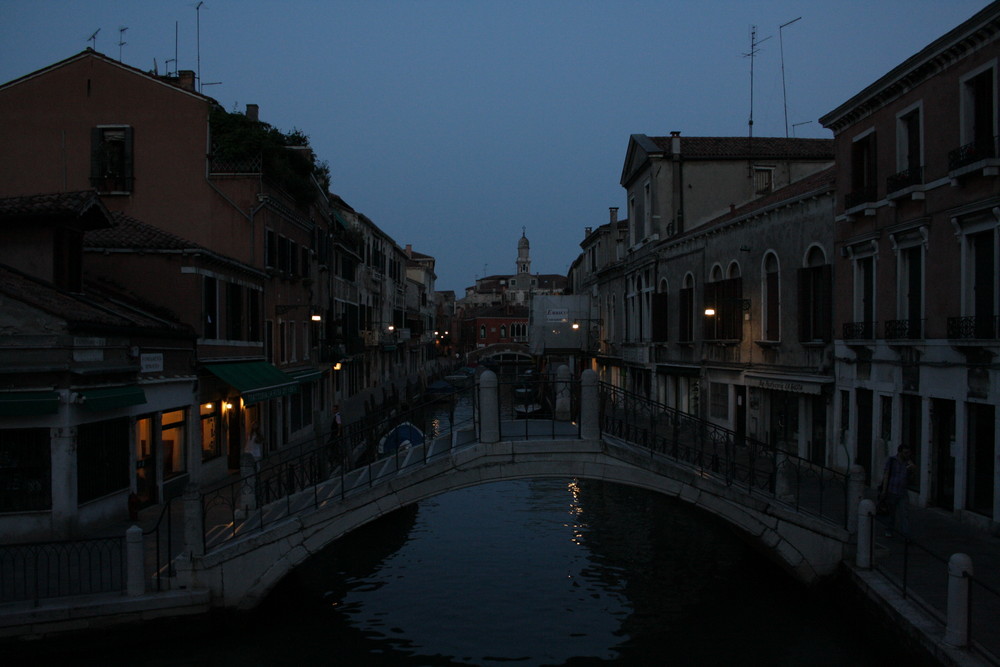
942,441
863,455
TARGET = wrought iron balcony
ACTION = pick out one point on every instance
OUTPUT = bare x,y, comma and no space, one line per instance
859,197
860,330
904,179
973,152
904,329
973,327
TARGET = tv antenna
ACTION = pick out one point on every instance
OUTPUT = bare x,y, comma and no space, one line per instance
784,94
93,39
754,44
197,10
121,40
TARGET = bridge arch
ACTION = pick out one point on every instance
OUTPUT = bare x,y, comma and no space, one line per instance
242,572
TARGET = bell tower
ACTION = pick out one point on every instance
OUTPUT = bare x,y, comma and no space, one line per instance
523,260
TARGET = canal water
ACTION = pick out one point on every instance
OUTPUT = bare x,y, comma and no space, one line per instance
528,572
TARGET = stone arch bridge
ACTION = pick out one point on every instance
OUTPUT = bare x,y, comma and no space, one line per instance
795,512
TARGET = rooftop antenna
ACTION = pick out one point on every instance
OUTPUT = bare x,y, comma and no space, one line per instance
197,10
121,40
795,125
784,94
93,39
753,52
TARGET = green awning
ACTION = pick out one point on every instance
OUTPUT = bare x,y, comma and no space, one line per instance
255,380
29,403
110,398
306,375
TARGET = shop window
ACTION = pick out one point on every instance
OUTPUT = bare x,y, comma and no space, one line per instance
210,440
25,470
173,443
102,458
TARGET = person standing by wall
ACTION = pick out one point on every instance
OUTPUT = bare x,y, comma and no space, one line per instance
893,490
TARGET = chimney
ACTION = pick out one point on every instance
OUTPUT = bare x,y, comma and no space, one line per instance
185,79
613,211
675,142
587,231
253,112
409,250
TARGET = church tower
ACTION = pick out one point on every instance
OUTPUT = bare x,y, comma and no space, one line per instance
523,261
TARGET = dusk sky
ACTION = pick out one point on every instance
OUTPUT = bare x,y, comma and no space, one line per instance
452,125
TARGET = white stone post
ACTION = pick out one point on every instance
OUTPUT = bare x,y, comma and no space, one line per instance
855,493
959,581
489,408
248,483
564,406
590,427
135,575
194,524
865,519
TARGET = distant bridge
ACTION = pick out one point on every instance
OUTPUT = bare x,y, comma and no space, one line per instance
796,510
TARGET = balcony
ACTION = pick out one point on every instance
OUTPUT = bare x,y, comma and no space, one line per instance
859,197
904,330
973,327
908,178
860,331
969,154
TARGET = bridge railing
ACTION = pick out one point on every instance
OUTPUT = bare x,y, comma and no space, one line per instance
538,407
36,571
302,479
736,459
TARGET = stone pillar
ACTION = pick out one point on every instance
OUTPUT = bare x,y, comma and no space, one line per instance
865,519
194,523
135,575
590,426
956,633
64,477
489,408
855,493
564,404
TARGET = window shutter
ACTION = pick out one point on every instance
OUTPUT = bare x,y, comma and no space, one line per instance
824,307
806,307
659,317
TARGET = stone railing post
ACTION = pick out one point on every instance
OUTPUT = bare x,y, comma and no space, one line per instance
959,581
248,483
135,574
864,520
489,408
855,493
589,406
564,406
194,523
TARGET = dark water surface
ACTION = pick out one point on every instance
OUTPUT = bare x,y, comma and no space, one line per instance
530,572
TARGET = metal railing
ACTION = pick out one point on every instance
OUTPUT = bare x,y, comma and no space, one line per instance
921,575
41,570
734,458
321,471
973,327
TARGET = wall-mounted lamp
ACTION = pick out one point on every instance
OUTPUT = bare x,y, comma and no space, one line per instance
338,366
227,405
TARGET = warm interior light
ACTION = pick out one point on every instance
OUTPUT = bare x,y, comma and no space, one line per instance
337,366
710,311
317,318
227,406
576,325
208,406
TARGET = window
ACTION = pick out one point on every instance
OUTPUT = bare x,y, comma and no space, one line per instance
270,249
763,180
723,307
659,314
269,341
503,331
685,315
719,400
908,151
111,159
210,448
863,168
815,298
772,298
25,457
253,315
910,294
980,301
211,307
235,324
102,458
482,331
978,117
172,443
863,326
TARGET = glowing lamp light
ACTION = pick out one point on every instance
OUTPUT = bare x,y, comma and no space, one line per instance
710,311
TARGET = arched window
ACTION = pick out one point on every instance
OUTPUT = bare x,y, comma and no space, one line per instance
503,331
771,291
685,307
658,316
482,331
815,297
724,304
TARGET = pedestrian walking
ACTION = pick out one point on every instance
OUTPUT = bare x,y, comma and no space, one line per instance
338,422
893,491
255,444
